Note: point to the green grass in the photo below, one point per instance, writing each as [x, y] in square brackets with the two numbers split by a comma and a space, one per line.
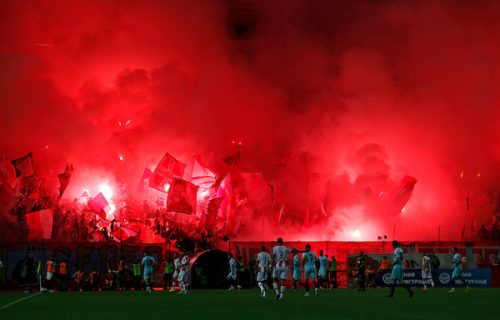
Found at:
[481, 304]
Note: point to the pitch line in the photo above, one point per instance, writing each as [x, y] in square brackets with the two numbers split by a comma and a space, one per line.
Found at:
[18, 300]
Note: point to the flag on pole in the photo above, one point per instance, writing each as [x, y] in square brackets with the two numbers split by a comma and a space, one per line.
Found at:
[99, 205]
[201, 176]
[24, 165]
[145, 179]
[168, 168]
[39, 268]
[8, 184]
[182, 196]
[124, 233]
[401, 195]
[212, 210]
[32, 200]
[40, 224]
[64, 179]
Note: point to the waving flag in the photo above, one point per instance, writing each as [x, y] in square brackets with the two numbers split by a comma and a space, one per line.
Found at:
[9, 185]
[401, 195]
[24, 166]
[64, 179]
[212, 210]
[182, 196]
[40, 224]
[168, 168]
[7, 173]
[145, 180]
[126, 232]
[201, 176]
[99, 205]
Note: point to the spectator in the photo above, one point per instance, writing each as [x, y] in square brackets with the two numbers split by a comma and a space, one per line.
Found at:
[109, 280]
[494, 261]
[78, 278]
[121, 274]
[242, 272]
[370, 277]
[333, 273]
[361, 264]
[495, 232]
[384, 266]
[136, 269]
[168, 274]
[252, 271]
[62, 276]
[480, 263]
[51, 269]
[94, 280]
[482, 234]
[435, 263]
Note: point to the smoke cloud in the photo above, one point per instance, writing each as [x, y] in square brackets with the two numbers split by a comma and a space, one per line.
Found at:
[333, 101]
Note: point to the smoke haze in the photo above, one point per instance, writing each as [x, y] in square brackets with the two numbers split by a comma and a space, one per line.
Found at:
[333, 101]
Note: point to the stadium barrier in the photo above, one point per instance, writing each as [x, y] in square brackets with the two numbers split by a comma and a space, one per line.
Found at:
[21, 260]
[347, 252]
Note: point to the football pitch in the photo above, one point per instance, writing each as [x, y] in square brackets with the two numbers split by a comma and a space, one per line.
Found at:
[436, 304]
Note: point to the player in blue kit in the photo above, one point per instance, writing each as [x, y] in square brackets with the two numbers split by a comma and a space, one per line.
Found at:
[309, 269]
[457, 271]
[296, 269]
[397, 270]
[148, 263]
[233, 273]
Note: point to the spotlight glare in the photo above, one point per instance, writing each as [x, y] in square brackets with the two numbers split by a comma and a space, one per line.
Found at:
[106, 190]
[356, 234]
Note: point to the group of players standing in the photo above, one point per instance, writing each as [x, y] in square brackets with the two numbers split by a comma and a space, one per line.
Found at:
[179, 276]
[279, 265]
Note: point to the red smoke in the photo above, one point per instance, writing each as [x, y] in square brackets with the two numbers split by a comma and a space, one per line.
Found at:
[334, 102]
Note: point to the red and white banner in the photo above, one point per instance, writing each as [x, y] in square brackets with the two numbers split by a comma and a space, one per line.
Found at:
[201, 176]
[182, 196]
[168, 168]
[40, 224]
[99, 205]
[126, 232]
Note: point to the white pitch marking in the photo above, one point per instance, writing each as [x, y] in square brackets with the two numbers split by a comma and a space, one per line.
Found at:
[18, 300]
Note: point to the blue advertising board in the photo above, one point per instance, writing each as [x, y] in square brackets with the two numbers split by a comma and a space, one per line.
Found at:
[474, 278]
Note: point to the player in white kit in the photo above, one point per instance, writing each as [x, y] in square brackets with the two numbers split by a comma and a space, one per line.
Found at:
[280, 255]
[322, 273]
[427, 271]
[263, 264]
[175, 276]
[183, 274]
